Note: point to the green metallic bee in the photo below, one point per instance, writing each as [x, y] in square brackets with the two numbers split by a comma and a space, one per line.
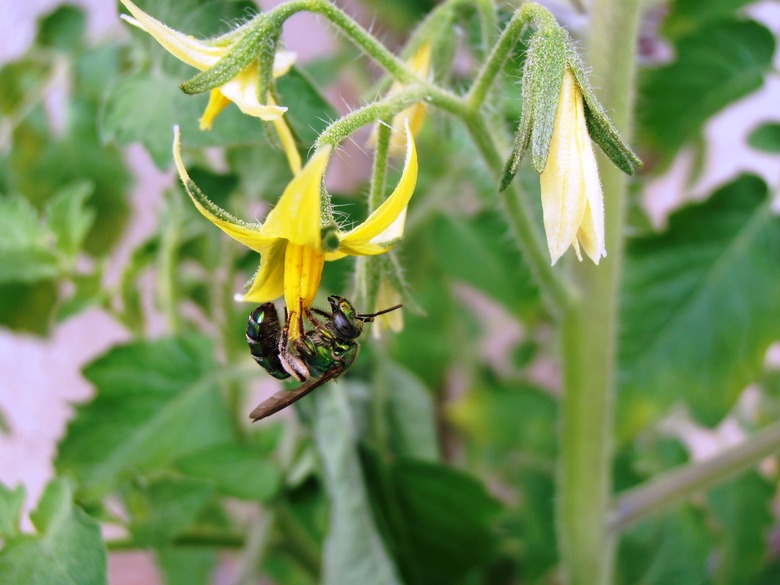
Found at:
[321, 353]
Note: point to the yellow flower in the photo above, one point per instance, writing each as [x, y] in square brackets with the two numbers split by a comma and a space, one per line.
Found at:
[290, 240]
[420, 65]
[572, 201]
[387, 296]
[242, 90]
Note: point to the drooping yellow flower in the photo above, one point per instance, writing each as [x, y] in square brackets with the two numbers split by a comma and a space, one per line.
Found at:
[387, 296]
[572, 200]
[290, 240]
[420, 65]
[242, 90]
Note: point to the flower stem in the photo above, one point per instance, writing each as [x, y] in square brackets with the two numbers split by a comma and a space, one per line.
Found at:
[379, 171]
[380, 110]
[676, 485]
[588, 343]
[529, 12]
[363, 39]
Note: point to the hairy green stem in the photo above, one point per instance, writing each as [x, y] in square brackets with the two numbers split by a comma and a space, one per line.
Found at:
[488, 23]
[363, 39]
[588, 340]
[530, 12]
[678, 484]
[379, 171]
[383, 110]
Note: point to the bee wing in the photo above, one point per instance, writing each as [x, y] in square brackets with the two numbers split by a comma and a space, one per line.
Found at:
[285, 398]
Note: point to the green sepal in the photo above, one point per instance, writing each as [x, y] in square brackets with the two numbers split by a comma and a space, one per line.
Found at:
[234, 62]
[600, 127]
[548, 67]
[265, 63]
[542, 82]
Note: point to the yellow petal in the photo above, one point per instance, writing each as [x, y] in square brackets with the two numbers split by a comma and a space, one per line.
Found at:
[192, 51]
[288, 142]
[562, 182]
[420, 64]
[217, 103]
[296, 216]
[331, 256]
[243, 91]
[386, 223]
[387, 296]
[416, 116]
[248, 234]
[591, 232]
[268, 283]
[283, 60]
[302, 275]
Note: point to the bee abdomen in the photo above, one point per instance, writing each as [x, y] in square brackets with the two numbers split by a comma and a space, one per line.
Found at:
[263, 332]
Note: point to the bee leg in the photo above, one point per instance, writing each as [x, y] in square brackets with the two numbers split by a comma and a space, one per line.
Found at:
[321, 328]
[311, 311]
[292, 363]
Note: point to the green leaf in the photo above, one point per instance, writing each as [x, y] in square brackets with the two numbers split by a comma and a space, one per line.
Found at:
[62, 29]
[475, 252]
[743, 511]
[23, 83]
[766, 137]
[235, 470]
[437, 520]
[699, 306]
[672, 549]
[262, 170]
[25, 243]
[715, 66]
[28, 307]
[11, 502]
[354, 553]
[309, 112]
[44, 159]
[410, 412]
[533, 523]
[165, 506]
[688, 15]
[67, 550]
[427, 345]
[145, 106]
[87, 292]
[69, 219]
[154, 404]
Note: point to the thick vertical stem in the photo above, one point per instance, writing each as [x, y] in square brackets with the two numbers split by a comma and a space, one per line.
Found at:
[589, 327]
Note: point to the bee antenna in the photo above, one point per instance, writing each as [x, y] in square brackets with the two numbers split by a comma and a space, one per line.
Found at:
[370, 316]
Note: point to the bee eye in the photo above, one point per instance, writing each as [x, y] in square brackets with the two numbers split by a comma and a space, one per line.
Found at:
[344, 327]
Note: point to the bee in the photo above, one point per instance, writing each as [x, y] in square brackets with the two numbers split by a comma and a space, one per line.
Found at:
[323, 352]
